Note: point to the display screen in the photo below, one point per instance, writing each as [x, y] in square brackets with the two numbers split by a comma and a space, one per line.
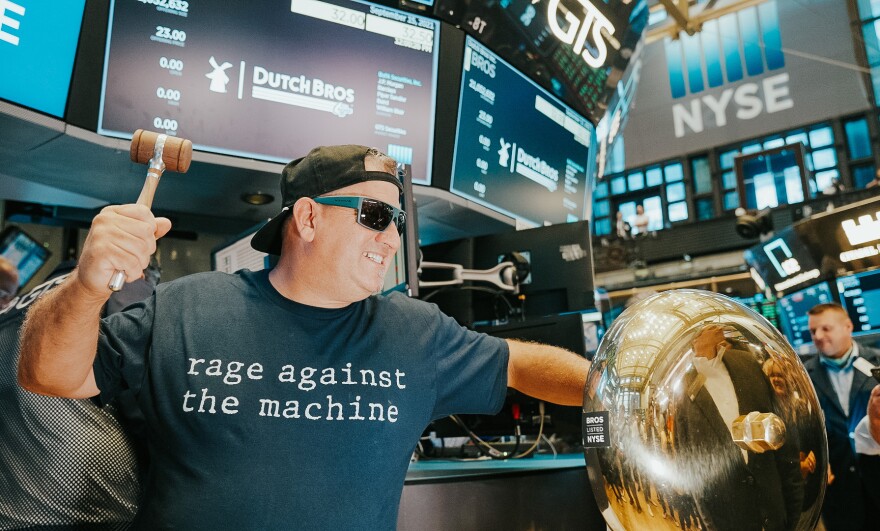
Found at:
[793, 310]
[238, 254]
[845, 239]
[763, 306]
[784, 263]
[576, 49]
[37, 46]
[24, 252]
[860, 296]
[273, 79]
[518, 149]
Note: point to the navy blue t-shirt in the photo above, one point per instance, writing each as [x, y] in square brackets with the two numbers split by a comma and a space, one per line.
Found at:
[264, 413]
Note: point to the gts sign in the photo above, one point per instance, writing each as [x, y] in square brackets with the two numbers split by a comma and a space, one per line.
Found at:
[576, 30]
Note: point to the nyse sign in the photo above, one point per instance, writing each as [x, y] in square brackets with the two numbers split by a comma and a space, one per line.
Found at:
[745, 102]
[576, 31]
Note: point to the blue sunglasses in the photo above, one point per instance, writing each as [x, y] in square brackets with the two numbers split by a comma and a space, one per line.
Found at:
[371, 213]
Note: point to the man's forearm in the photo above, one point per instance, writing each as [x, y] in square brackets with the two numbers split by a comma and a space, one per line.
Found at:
[548, 373]
[58, 342]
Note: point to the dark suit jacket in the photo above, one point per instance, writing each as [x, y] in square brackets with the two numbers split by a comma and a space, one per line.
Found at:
[767, 492]
[853, 499]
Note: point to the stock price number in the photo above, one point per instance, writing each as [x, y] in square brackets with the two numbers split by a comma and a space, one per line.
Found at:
[164, 32]
[349, 17]
[167, 94]
[165, 124]
[176, 5]
[485, 117]
[477, 24]
[171, 64]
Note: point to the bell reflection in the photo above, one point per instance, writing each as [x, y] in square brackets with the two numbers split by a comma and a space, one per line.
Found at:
[713, 421]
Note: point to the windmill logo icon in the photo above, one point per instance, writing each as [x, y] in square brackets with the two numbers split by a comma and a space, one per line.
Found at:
[218, 76]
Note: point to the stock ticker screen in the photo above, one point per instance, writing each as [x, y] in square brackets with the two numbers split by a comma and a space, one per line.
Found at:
[860, 296]
[518, 149]
[271, 79]
[793, 309]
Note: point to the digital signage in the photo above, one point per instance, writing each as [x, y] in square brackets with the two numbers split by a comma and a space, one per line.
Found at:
[793, 310]
[783, 262]
[846, 239]
[37, 46]
[860, 297]
[518, 149]
[272, 79]
[576, 49]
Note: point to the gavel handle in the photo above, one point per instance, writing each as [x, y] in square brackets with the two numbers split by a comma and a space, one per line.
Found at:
[146, 199]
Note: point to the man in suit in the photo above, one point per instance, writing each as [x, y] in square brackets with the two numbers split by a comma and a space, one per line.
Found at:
[843, 384]
[733, 488]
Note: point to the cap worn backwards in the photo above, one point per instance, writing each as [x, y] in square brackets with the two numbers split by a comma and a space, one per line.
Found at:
[323, 170]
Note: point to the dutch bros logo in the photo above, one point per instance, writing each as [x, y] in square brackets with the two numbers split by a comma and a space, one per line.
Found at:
[576, 30]
[738, 45]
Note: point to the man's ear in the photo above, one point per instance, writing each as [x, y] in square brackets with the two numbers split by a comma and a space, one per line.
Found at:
[302, 216]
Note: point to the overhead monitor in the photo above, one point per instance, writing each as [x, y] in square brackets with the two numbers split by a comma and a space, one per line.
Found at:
[272, 79]
[793, 308]
[846, 239]
[576, 49]
[37, 45]
[860, 297]
[784, 263]
[518, 149]
[24, 252]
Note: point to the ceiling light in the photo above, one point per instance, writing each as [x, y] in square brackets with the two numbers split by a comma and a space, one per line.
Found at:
[257, 198]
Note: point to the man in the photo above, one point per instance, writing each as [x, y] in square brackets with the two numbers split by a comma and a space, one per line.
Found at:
[289, 398]
[742, 489]
[68, 464]
[641, 221]
[843, 386]
[8, 282]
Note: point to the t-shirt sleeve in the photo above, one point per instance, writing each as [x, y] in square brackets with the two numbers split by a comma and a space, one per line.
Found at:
[123, 344]
[471, 369]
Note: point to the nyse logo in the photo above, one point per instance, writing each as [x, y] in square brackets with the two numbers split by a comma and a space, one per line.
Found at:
[866, 231]
[9, 22]
[728, 50]
[576, 31]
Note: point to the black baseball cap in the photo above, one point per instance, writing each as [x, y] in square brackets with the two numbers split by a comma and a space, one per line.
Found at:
[323, 170]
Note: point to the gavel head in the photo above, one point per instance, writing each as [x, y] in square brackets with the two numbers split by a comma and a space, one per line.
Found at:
[177, 153]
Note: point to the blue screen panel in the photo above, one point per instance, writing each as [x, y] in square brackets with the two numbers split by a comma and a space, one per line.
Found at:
[519, 150]
[37, 47]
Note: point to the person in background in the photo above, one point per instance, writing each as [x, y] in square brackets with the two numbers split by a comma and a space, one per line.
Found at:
[288, 397]
[65, 464]
[875, 181]
[836, 187]
[641, 221]
[622, 228]
[843, 386]
[8, 282]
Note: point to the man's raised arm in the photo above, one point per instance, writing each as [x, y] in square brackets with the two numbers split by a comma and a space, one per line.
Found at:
[547, 373]
[60, 335]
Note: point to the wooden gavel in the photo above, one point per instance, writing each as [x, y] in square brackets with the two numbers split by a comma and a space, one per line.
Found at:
[161, 152]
